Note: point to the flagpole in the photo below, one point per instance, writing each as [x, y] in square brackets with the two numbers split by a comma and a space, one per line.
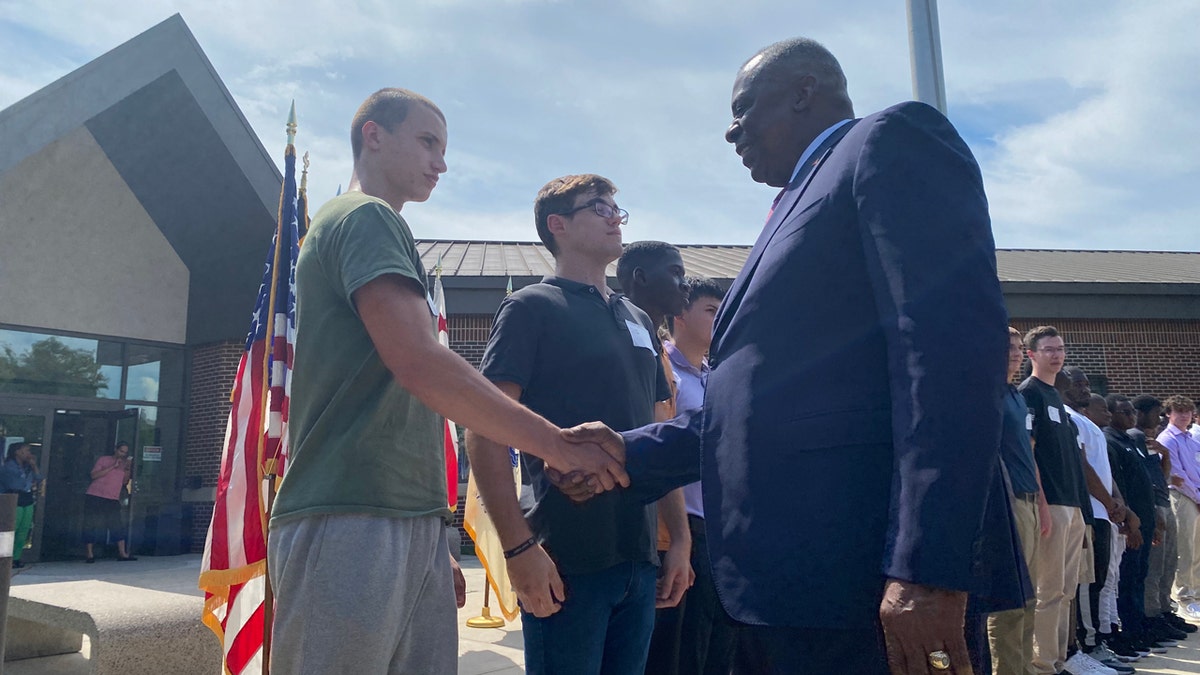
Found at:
[925, 53]
[269, 593]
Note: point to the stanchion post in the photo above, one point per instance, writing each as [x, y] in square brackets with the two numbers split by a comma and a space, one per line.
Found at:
[8, 520]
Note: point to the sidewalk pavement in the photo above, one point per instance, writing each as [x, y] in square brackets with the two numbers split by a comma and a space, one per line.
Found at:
[495, 651]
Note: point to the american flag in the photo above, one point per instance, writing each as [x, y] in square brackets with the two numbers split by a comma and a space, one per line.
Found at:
[450, 430]
[233, 570]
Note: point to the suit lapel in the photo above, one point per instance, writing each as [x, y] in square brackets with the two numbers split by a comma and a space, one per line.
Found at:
[782, 210]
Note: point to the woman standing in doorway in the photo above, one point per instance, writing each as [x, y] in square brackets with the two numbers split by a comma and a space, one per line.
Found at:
[102, 502]
[19, 476]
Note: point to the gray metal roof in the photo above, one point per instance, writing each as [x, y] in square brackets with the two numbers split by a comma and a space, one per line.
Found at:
[531, 259]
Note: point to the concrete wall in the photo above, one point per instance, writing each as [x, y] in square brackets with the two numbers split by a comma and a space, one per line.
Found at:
[79, 253]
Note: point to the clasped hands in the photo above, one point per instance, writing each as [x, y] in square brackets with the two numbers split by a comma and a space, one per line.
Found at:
[591, 461]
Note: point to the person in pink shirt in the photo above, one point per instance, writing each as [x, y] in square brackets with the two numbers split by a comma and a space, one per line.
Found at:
[102, 502]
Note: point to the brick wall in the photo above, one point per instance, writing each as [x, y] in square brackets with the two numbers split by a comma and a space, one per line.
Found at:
[213, 370]
[1132, 357]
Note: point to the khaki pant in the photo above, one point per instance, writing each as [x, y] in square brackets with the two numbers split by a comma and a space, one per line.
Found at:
[1161, 573]
[1056, 579]
[1010, 634]
[1187, 574]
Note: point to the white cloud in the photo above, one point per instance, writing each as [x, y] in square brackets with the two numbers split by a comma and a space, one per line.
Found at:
[1082, 115]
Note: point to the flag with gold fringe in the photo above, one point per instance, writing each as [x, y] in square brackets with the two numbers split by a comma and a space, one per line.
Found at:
[234, 567]
[482, 531]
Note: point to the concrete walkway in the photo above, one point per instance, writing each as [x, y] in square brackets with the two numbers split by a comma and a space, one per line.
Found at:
[496, 651]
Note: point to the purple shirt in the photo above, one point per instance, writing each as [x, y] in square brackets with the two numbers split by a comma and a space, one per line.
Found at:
[1185, 460]
[690, 381]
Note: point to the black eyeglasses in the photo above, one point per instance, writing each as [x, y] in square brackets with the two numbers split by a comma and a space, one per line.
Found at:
[602, 209]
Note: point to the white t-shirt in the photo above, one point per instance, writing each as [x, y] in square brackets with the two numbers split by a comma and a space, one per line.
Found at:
[1091, 438]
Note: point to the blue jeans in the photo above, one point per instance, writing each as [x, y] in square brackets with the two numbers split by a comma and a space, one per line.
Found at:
[603, 628]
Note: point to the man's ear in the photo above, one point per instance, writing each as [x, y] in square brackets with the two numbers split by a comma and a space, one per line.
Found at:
[639, 277]
[370, 134]
[556, 224]
[804, 92]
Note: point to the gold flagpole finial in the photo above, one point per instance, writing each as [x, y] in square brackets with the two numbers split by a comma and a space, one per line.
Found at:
[291, 124]
[304, 173]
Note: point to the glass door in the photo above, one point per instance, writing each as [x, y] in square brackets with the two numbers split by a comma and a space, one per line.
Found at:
[26, 424]
[78, 439]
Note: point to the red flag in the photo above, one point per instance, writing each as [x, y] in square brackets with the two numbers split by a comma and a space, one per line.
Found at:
[233, 570]
[450, 433]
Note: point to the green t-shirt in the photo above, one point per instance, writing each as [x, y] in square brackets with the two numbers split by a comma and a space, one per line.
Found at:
[360, 442]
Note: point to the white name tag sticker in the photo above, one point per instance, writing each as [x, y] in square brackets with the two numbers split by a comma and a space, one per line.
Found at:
[1053, 413]
[6, 544]
[639, 335]
[1028, 421]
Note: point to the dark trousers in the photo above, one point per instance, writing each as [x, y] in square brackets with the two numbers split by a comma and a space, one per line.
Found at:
[603, 627]
[800, 651]
[1131, 589]
[1088, 618]
[695, 637]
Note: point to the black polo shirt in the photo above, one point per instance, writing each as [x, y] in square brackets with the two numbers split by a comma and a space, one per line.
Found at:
[578, 359]
[1162, 495]
[1055, 448]
[1129, 468]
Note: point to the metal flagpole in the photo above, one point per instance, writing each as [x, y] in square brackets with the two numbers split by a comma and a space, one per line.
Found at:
[925, 53]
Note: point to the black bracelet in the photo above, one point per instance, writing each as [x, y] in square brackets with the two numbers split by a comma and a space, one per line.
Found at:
[520, 548]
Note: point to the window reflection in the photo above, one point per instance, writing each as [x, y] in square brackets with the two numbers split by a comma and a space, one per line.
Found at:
[34, 363]
[153, 374]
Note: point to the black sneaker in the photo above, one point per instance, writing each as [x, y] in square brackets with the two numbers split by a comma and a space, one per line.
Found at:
[1165, 631]
[1178, 623]
[1124, 651]
[17, 564]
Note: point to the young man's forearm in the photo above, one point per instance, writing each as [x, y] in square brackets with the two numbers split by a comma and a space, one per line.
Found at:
[491, 467]
[672, 510]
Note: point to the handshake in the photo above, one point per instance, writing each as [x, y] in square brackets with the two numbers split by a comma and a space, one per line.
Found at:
[589, 460]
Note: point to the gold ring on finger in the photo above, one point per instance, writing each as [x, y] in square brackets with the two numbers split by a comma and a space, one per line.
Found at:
[940, 660]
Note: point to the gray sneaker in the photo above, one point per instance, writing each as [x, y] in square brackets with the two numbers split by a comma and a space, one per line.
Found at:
[1109, 659]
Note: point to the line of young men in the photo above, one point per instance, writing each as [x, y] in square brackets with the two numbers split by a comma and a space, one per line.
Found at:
[1096, 524]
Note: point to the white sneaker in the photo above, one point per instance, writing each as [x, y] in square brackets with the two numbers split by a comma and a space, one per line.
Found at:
[1082, 664]
[1190, 611]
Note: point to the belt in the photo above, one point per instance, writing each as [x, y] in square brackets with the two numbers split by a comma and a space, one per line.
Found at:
[1030, 497]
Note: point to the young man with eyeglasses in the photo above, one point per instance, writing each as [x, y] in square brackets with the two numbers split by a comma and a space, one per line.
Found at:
[1060, 466]
[572, 349]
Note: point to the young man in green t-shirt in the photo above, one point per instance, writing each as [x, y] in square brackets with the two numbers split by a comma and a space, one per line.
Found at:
[357, 552]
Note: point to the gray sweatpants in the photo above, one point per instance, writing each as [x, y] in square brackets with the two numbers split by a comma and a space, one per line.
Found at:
[362, 594]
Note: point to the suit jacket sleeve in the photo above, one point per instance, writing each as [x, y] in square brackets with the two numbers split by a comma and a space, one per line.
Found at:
[931, 259]
[661, 457]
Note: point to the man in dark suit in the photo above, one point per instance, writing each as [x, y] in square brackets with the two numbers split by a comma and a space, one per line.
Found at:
[849, 439]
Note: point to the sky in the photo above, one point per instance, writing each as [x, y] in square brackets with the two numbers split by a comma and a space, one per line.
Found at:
[1082, 113]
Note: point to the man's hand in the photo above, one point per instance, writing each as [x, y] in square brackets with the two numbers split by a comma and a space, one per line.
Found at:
[591, 461]
[1134, 539]
[1044, 517]
[920, 619]
[534, 577]
[460, 584]
[1117, 513]
[677, 575]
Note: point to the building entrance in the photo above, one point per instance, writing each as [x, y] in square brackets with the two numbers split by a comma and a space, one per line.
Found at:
[78, 438]
[67, 444]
